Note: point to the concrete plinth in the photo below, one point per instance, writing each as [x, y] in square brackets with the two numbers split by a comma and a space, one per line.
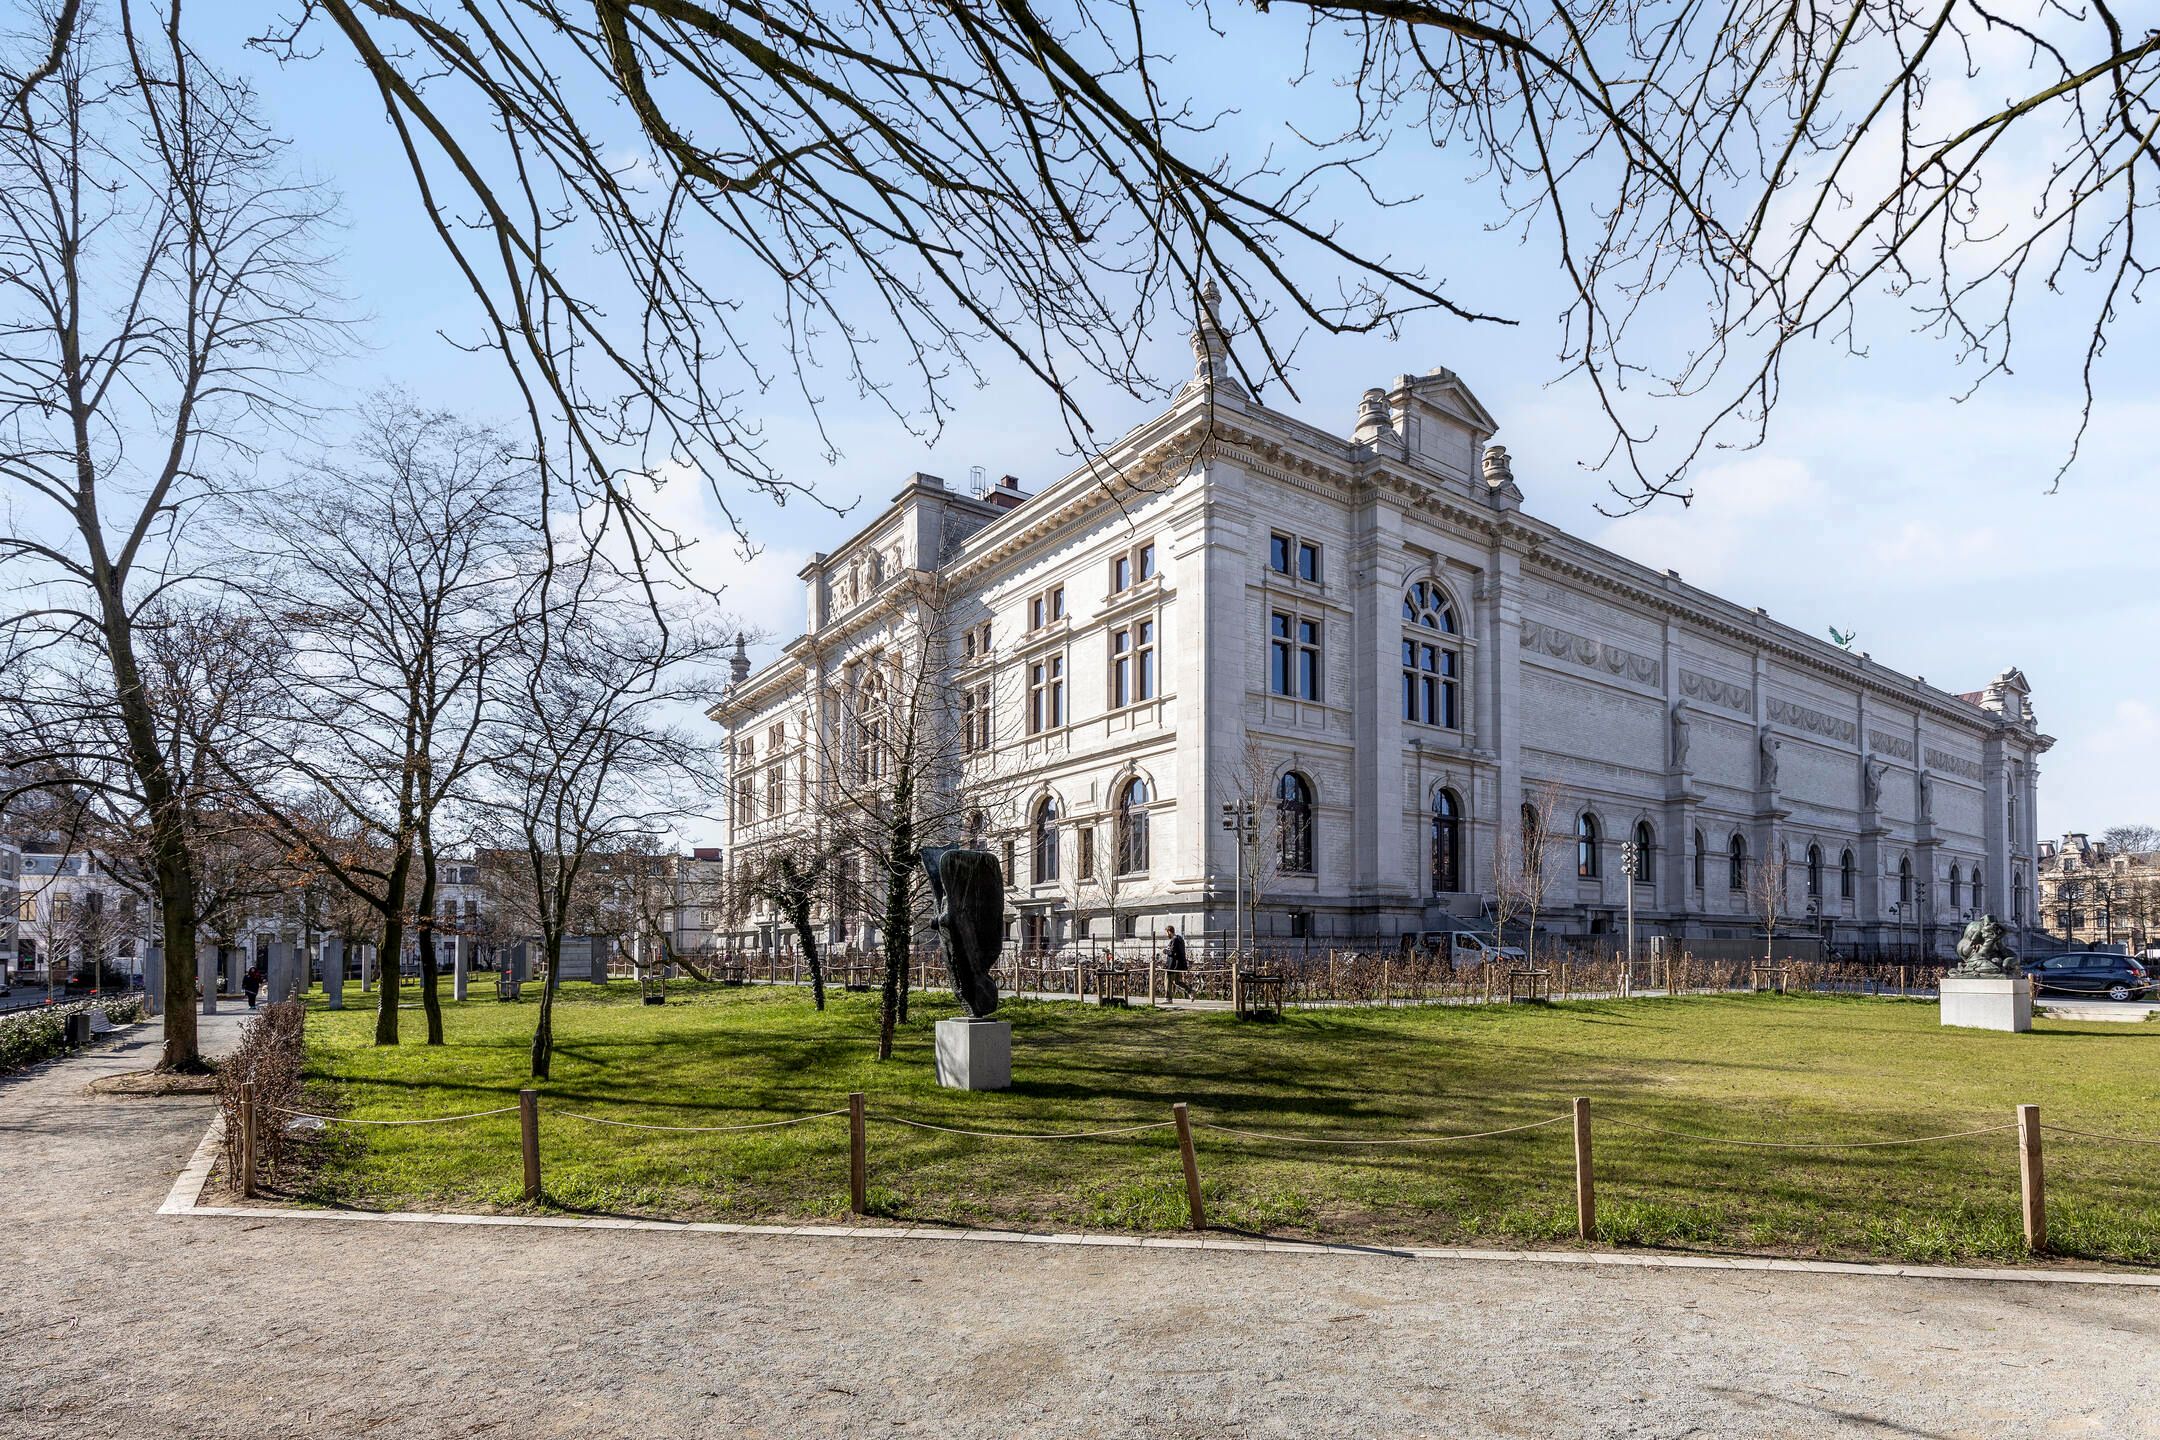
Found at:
[974, 1054]
[1987, 1002]
[206, 977]
[458, 967]
[284, 971]
[333, 972]
[154, 981]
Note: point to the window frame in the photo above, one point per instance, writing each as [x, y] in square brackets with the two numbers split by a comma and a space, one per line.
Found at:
[1295, 850]
[1589, 859]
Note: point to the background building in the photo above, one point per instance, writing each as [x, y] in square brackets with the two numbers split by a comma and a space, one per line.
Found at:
[1366, 639]
[2092, 894]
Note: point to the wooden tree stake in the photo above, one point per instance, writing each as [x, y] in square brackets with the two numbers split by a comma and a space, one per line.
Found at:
[1192, 1166]
[247, 1139]
[2031, 1179]
[858, 1162]
[529, 1138]
[1585, 1191]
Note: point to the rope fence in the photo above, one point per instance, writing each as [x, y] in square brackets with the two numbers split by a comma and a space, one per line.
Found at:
[2026, 1124]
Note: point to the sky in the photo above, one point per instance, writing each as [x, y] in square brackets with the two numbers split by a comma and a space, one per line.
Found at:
[1879, 504]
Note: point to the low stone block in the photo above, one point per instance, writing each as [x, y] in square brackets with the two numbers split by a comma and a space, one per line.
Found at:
[974, 1054]
[1987, 1002]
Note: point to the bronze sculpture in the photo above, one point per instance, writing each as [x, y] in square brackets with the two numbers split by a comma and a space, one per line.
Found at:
[968, 889]
[1984, 952]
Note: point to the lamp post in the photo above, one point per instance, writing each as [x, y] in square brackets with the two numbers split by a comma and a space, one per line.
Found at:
[2104, 896]
[1630, 867]
[1239, 819]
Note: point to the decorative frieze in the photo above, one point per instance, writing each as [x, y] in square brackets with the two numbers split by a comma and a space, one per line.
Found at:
[1591, 654]
[1815, 722]
[1883, 743]
[1737, 698]
[1951, 764]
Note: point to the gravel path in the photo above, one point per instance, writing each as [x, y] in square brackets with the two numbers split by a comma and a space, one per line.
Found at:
[116, 1322]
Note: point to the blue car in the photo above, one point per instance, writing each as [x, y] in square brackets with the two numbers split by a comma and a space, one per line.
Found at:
[2091, 973]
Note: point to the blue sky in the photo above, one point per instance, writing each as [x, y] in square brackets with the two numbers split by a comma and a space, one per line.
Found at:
[1879, 503]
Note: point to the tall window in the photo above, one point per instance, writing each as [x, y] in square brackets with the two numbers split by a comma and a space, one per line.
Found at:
[1979, 889]
[870, 722]
[1446, 843]
[975, 719]
[1294, 823]
[1848, 876]
[1294, 655]
[1645, 854]
[1904, 880]
[1814, 871]
[1132, 664]
[1146, 560]
[1701, 859]
[1736, 879]
[1046, 694]
[1046, 841]
[1432, 667]
[1586, 847]
[1084, 851]
[1132, 828]
[775, 786]
[1957, 888]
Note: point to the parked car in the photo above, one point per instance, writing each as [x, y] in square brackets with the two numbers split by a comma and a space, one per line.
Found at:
[2091, 973]
[1467, 947]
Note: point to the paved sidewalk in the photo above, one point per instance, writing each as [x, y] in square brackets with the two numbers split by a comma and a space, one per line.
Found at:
[116, 1322]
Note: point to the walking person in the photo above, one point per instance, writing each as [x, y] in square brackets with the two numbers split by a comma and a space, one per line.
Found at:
[1174, 961]
[252, 983]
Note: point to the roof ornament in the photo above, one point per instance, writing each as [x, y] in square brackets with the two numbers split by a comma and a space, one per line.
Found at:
[1211, 347]
[739, 666]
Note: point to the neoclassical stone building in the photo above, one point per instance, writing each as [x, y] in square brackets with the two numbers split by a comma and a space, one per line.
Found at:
[1367, 635]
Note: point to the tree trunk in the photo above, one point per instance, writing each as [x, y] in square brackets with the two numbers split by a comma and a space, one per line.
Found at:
[430, 999]
[806, 937]
[543, 1045]
[899, 919]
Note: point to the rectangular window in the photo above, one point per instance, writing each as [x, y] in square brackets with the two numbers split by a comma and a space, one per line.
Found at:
[1147, 561]
[775, 788]
[1294, 656]
[1057, 603]
[1144, 660]
[1121, 574]
[967, 723]
[1084, 851]
[1309, 659]
[1035, 613]
[1430, 684]
[1279, 548]
[1308, 561]
[1280, 652]
[1046, 694]
[1121, 660]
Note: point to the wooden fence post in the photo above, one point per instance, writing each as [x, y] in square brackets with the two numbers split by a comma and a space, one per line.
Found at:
[1192, 1166]
[1563, 979]
[1585, 1191]
[2031, 1180]
[1384, 986]
[1151, 982]
[858, 1160]
[247, 1139]
[529, 1138]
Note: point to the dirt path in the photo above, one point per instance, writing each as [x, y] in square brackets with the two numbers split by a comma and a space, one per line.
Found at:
[117, 1322]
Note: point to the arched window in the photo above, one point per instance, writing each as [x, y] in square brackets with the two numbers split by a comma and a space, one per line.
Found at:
[1848, 876]
[1702, 860]
[1957, 888]
[1736, 856]
[1904, 880]
[870, 718]
[1446, 843]
[1586, 846]
[1645, 853]
[1046, 841]
[1979, 889]
[1814, 871]
[1294, 823]
[1132, 828]
[1431, 665]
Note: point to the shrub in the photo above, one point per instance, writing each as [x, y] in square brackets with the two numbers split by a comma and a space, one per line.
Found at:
[28, 1036]
[268, 1057]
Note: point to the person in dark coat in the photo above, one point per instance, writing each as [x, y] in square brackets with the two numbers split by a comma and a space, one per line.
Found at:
[252, 983]
[1174, 960]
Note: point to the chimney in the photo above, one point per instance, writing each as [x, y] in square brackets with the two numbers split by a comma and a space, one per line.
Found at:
[705, 852]
[1006, 494]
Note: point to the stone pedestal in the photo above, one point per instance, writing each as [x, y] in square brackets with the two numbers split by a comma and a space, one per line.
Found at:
[459, 956]
[153, 976]
[206, 977]
[1987, 1002]
[333, 972]
[974, 1054]
[284, 971]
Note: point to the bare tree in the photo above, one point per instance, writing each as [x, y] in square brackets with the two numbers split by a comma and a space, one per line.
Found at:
[586, 762]
[1538, 839]
[2136, 839]
[159, 289]
[396, 582]
[791, 874]
[1767, 884]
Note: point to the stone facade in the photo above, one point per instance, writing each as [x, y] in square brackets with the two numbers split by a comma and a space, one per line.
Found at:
[1367, 635]
[2092, 895]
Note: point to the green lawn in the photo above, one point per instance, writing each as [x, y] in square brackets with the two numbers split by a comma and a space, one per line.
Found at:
[1742, 1067]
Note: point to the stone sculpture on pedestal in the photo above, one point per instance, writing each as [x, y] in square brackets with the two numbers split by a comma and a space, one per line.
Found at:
[968, 889]
[1985, 991]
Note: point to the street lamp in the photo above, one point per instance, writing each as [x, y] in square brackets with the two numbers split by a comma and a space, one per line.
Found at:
[1239, 818]
[1630, 867]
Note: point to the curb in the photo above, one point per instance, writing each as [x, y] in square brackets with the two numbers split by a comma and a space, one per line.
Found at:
[186, 1195]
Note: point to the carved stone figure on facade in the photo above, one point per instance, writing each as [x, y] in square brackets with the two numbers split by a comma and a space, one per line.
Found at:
[1768, 746]
[1984, 952]
[1680, 729]
[968, 890]
[1871, 777]
[1925, 788]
